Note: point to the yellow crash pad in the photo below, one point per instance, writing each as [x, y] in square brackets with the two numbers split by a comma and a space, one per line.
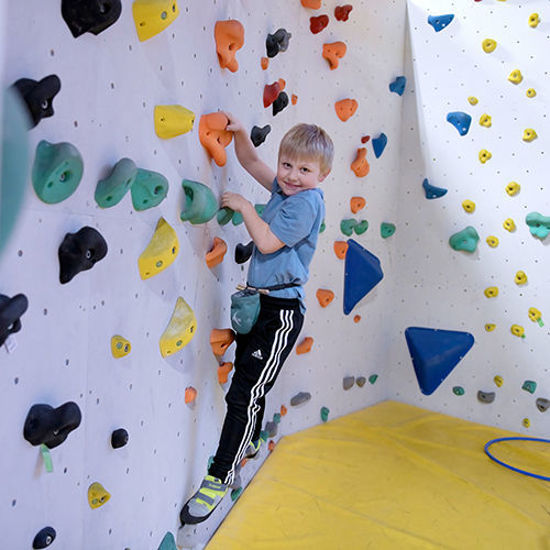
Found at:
[393, 476]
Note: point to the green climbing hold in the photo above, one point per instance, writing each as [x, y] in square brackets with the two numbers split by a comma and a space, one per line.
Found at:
[238, 217]
[324, 414]
[149, 189]
[264, 436]
[373, 378]
[168, 542]
[323, 226]
[466, 240]
[199, 205]
[530, 386]
[47, 458]
[361, 227]
[346, 226]
[111, 190]
[539, 225]
[387, 229]
[458, 390]
[57, 171]
[277, 418]
[236, 493]
[224, 215]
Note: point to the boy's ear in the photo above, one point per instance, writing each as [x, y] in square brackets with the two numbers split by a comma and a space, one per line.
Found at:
[323, 176]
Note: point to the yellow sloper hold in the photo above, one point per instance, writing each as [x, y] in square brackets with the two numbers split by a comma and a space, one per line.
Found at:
[534, 314]
[485, 120]
[484, 156]
[529, 134]
[509, 224]
[492, 241]
[97, 495]
[160, 252]
[513, 188]
[469, 206]
[472, 100]
[120, 346]
[498, 380]
[515, 76]
[534, 20]
[153, 16]
[489, 327]
[517, 330]
[489, 45]
[173, 120]
[520, 278]
[180, 329]
[491, 292]
[531, 92]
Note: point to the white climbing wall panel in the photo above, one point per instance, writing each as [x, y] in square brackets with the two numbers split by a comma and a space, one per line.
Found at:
[110, 85]
[439, 287]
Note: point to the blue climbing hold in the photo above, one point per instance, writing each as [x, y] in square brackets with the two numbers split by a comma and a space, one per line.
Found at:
[461, 121]
[435, 353]
[379, 144]
[439, 22]
[362, 274]
[398, 85]
[432, 192]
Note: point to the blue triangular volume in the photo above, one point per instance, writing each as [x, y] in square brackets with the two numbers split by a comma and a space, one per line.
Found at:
[435, 353]
[363, 273]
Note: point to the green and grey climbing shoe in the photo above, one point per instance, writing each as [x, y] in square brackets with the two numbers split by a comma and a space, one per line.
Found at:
[204, 501]
[253, 449]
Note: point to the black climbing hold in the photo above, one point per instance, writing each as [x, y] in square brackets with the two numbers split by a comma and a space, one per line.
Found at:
[277, 42]
[49, 426]
[280, 103]
[11, 310]
[79, 252]
[90, 15]
[258, 135]
[38, 96]
[119, 438]
[44, 537]
[243, 252]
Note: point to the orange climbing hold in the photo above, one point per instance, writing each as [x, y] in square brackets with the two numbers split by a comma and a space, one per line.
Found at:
[294, 99]
[324, 296]
[311, 4]
[345, 108]
[282, 83]
[340, 249]
[333, 52]
[214, 137]
[223, 372]
[190, 394]
[360, 166]
[216, 253]
[357, 203]
[264, 63]
[271, 445]
[221, 339]
[305, 345]
[284, 410]
[317, 24]
[229, 37]
[357, 318]
[271, 92]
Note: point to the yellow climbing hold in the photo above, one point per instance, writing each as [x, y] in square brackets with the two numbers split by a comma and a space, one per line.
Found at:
[489, 327]
[509, 224]
[484, 156]
[498, 380]
[531, 92]
[485, 120]
[517, 330]
[472, 100]
[534, 20]
[120, 346]
[534, 314]
[180, 329]
[520, 278]
[489, 45]
[160, 252]
[153, 16]
[173, 120]
[515, 76]
[492, 241]
[529, 134]
[491, 292]
[469, 206]
[97, 495]
[513, 188]
[526, 422]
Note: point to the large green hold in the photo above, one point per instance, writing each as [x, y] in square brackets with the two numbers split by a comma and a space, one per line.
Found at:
[149, 189]
[57, 171]
[387, 229]
[539, 225]
[200, 204]
[466, 240]
[111, 190]
[224, 215]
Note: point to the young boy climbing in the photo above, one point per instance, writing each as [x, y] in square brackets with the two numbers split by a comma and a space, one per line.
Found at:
[285, 237]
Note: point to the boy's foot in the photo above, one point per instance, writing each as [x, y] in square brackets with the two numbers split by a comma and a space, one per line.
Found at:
[253, 449]
[204, 501]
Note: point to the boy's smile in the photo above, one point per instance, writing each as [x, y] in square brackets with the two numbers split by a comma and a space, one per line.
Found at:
[296, 174]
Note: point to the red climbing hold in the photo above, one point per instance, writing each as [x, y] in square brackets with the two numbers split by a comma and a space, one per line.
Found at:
[271, 92]
[317, 24]
[364, 139]
[342, 12]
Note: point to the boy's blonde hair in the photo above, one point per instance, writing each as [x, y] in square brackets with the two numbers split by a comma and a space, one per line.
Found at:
[308, 141]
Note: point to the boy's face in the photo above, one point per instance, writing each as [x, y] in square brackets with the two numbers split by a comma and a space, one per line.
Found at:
[298, 174]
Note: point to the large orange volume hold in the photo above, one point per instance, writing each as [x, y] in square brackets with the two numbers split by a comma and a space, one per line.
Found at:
[333, 52]
[345, 108]
[214, 137]
[229, 37]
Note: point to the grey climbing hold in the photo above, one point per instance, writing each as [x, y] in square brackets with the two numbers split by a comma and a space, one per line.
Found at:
[348, 382]
[299, 398]
[271, 429]
[543, 404]
[486, 397]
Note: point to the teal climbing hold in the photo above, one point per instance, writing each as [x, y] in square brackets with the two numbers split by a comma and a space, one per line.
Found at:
[346, 226]
[461, 121]
[435, 353]
[277, 418]
[530, 386]
[373, 378]
[431, 191]
[14, 161]
[111, 190]
[324, 414]
[458, 390]
[323, 226]
[398, 85]
[236, 493]
[361, 227]
[379, 144]
[539, 225]
[224, 215]
[466, 240]
[439, 22]
[264, 435]
[199, 203]
[57, 171]
[387, 229]
[362, 274]
[168, 542]
[238, 217]
[149, 189]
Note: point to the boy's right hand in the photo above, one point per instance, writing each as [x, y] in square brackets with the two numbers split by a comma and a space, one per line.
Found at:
[235, 125]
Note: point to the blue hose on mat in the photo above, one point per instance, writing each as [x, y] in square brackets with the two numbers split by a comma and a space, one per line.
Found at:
[489, 443]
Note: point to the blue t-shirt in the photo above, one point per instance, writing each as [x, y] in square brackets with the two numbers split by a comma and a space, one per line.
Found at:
[295, 220]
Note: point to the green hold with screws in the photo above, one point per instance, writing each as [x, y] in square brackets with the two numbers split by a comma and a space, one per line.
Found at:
[111, 190]
[148, 190]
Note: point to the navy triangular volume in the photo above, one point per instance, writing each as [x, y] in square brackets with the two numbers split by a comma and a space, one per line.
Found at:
[363, 273]
[435, 353]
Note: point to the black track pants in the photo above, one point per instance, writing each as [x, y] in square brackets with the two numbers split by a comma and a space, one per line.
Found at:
[259, 356]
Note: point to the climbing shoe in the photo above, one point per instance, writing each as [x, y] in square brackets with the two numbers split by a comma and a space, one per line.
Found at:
[199, 507]
[253, 449]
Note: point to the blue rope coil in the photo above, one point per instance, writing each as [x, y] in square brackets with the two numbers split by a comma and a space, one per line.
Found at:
[524, 472]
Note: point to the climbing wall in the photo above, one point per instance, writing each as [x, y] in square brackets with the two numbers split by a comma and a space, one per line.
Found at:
[443, 288]
[110, 85]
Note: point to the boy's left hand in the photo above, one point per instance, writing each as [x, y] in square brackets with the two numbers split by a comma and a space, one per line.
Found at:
[234, 201]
